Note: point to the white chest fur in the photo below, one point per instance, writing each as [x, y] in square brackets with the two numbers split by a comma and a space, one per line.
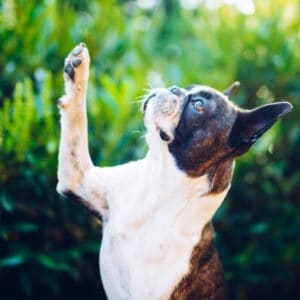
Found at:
[156, 216]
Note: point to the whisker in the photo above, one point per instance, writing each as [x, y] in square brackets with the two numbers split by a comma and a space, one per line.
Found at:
[149, 85]
[137, 101]
[142, 98]
[141, 133]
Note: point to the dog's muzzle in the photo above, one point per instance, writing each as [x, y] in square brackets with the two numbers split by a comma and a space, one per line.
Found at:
[169, 102]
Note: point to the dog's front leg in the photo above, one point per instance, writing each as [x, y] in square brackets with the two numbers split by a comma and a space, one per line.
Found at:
[78, 179]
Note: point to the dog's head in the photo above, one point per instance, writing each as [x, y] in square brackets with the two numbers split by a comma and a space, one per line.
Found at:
[202, 127]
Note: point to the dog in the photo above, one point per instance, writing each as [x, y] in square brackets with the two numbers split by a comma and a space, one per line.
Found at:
[158, 240]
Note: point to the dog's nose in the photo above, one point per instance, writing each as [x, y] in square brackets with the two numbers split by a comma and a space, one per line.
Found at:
[176, 90]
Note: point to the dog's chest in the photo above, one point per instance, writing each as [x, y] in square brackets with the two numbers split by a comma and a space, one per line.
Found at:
[145, 259]
[148, 240]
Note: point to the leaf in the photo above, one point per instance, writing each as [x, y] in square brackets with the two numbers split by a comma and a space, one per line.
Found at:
[51, 263]
[12, 261]
[259, 228]
[46, 261]
[25, 227]
[6, 203]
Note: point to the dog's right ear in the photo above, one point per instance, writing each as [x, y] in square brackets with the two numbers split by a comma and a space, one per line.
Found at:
[232, 89]
[251, 124]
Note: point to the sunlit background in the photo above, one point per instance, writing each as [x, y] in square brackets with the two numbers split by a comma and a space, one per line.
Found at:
[48, 246]
[245, 6]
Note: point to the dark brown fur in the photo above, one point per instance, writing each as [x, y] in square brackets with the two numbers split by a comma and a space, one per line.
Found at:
[205, 280]
[220, 176]
[78, 200]
[201, 142]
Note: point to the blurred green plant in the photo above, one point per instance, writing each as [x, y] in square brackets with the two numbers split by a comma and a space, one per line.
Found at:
[47, 245]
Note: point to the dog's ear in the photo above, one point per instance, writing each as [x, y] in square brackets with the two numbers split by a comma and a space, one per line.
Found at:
[251, 124]
[232, 89]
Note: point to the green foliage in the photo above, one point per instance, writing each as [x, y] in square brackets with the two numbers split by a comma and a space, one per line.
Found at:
[49, 246]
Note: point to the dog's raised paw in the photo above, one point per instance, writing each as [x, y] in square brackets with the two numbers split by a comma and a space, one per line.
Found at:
[76, 73]
[78, 56]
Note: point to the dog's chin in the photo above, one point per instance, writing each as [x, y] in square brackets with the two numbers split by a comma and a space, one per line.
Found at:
[162, 114]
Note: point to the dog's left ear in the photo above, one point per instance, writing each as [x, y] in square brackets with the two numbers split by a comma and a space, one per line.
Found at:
[251, 124]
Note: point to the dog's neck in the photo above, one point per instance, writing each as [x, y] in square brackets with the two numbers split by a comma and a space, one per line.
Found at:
[169, 179]
[175, 190]
[161, 162]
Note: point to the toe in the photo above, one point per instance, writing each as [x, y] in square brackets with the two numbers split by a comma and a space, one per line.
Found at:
[76, 62]
[77, 50]
[69, 70]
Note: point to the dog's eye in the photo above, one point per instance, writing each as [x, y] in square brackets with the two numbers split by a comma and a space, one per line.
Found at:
[205, 94]
[198, 105]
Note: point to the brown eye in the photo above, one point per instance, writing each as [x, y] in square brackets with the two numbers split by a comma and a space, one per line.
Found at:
[198, 105]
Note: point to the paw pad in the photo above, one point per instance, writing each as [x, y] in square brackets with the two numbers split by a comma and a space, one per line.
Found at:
[77, 50]
[73, 61]
[76, 62]
[69, 70]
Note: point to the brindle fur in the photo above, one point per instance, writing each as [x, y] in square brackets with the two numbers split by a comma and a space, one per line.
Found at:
[205, 280]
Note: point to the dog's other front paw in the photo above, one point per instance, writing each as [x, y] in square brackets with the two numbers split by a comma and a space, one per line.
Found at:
[76, 73]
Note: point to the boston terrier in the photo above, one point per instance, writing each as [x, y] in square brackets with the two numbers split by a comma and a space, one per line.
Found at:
[158, 240]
